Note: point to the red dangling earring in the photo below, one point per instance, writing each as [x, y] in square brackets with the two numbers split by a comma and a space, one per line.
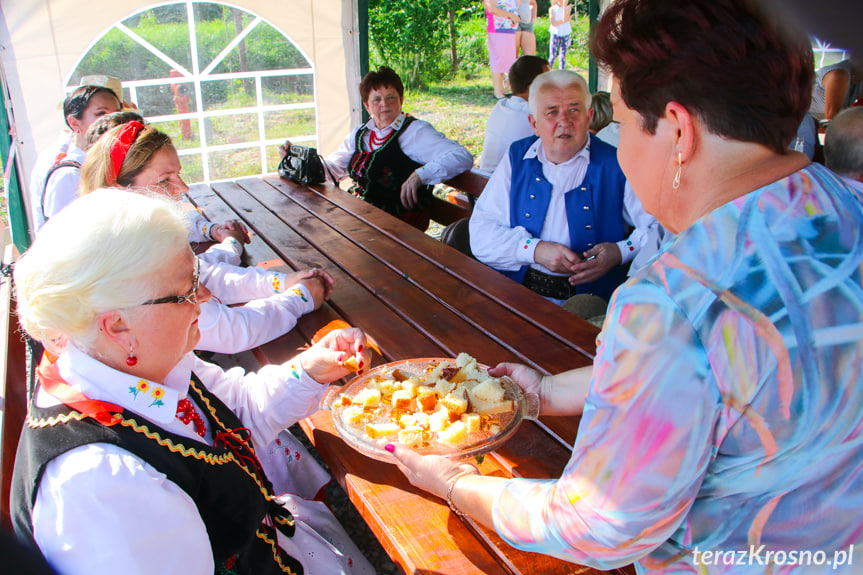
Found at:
[131, 360]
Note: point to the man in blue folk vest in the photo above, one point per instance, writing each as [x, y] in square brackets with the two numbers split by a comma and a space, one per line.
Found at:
[557, 214]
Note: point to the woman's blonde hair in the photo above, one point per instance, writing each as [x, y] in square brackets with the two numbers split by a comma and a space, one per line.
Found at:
[98, 167]
[104, 251]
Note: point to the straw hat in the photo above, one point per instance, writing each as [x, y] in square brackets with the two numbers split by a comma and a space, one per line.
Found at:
[113, 84]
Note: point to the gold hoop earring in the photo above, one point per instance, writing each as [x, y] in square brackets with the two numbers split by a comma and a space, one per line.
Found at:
[676, 183]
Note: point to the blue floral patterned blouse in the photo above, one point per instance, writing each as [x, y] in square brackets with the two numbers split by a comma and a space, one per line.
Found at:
[725, 414]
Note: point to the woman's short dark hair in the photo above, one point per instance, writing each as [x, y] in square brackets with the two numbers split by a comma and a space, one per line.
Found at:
[383, 77]
[76, 102]
[523, 71]
[746, 77]
[109, 121]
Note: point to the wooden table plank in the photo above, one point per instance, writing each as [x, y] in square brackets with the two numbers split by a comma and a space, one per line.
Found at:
[380, 281]
[520, 300]
[382, 482]
[241, 204]
[350, 301]
[450, 303]
[527, 340]
[418, 298]
[216, 210]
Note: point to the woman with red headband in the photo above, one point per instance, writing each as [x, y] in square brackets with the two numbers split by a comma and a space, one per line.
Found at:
[141, 158]
[230, 236]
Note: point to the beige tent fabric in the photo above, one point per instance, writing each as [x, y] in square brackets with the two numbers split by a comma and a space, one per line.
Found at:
[43, 40]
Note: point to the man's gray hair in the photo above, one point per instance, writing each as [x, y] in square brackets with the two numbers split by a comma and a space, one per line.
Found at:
[843, 144]
[557, 79]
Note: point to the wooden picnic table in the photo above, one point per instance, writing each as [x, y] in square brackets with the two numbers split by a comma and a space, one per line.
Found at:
[417, 298]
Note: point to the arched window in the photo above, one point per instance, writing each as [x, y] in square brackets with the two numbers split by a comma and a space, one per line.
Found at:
[223, 83]
[826, 53]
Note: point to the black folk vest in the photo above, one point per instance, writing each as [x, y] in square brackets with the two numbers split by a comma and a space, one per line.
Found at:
[227, 484]
[379, 174]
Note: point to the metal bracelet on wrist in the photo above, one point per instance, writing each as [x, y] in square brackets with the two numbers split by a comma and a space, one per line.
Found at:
[451, 486]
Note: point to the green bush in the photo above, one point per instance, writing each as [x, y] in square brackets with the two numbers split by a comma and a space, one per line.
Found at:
[409, 36]
[473, 47]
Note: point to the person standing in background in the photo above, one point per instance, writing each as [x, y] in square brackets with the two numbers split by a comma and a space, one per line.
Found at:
[837, 87]
[503, 20]
[560, 28]
[525, 38]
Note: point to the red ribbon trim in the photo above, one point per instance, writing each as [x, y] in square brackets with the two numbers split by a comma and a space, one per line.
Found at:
[51, 381]
[120, 147]
[237, 441]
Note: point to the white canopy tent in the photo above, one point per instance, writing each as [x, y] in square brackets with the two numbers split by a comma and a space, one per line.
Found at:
[44, 40]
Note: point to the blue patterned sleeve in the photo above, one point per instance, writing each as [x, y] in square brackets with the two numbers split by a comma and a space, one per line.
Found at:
[644, 443]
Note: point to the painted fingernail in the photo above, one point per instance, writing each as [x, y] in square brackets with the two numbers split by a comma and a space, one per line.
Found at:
[341, 357]
[390, 447]
[361, 348]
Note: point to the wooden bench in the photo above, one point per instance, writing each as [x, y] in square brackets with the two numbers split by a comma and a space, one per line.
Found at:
[13, 389]
[459, 204]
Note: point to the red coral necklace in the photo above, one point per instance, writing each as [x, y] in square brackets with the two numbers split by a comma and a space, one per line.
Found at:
[375, 141]
[186, 413]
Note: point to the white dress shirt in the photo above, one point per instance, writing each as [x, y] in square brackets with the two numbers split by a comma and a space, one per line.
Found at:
[441, 158]
[232, 284]
[62, 188]
[507, 123]
[271, 308]
[100, 509]
[230, 330]
[496, 243]
[610, 134]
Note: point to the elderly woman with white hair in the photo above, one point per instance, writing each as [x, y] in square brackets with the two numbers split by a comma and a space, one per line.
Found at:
[137, 456]
[136, 157]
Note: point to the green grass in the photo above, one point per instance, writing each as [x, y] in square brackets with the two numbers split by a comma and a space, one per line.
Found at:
[458, 109]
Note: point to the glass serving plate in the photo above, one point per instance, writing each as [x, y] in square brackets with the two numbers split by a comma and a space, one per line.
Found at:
[525, 406]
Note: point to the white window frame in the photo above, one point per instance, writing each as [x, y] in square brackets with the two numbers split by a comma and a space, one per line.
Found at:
[198, 76]
[821, 49]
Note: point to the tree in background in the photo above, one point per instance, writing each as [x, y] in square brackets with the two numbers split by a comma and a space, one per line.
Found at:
[427, 40]
[411, 35]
